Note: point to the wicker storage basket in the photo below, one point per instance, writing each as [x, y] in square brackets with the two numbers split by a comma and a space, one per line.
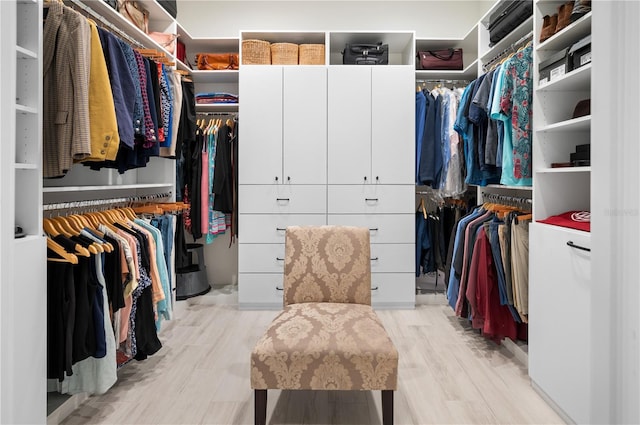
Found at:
[256, 52]
[312, 54]
[284, 54]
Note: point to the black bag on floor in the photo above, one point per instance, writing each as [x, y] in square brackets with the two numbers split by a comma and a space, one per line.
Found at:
[366, 54]
[507, 17]
[170, 6]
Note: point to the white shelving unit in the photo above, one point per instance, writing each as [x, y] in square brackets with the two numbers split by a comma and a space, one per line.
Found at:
[558, 270]
[22, 264]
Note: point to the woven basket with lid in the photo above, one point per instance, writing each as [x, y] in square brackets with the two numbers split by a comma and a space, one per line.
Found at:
[256, 52]
[284, 54]
[311, 54]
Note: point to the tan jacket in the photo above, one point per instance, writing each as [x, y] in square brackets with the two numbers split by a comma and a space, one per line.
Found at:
[66, 47]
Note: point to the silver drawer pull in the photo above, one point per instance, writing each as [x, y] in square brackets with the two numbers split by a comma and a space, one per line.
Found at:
[279, 288]
[282, 199]
[375, 288]
[371, 199]
[572, 245]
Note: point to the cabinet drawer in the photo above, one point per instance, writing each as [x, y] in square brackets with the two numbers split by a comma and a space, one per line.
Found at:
[559, 311]
[270, 228]
[282, 199]
[393, 290]
[394, 257]
[260, 258]
[260, 291]
[371, 198]
[384, 228]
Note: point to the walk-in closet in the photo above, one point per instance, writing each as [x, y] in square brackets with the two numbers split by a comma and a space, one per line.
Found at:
[380, 212]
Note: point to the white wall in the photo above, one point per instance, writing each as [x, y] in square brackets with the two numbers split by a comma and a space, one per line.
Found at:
[438, 19]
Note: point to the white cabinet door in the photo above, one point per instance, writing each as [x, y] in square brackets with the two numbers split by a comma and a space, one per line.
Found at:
[349, 118]
[282, 199]
[261, 129]
[305, 125]
[393, 290]
[393, 124]
[271, 228]
[260, 291]
[383, 228]
[559, 317]
[261, 258]
[371, 199]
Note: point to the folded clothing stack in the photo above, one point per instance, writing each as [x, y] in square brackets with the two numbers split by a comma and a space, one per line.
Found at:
[216, 97]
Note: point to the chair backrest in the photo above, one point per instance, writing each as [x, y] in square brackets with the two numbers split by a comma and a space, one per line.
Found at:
[327, 264]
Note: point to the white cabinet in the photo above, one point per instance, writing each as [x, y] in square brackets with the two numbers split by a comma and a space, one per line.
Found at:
[284, 137]
[559, 317]
[368, 110]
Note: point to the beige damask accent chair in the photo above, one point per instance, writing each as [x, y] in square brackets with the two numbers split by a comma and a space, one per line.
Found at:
[327, 337]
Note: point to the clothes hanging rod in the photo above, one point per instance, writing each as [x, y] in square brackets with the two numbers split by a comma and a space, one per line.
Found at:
[512, 48]
[98, 203]
[509, 198]
[218, 114]
[105, 22]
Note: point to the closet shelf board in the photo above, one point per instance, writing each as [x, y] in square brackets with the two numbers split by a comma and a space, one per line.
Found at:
[23, 53]
[26, 109]
[506, 42]
[182, 66]
[22, 166]
[223, 107]
[222, 76]
[210, 44]
[469, 73]
[564, 170]
[569, 35]
[575, 124]
[28, 1]
[567, 230]
[502, 186]
[104, 187]
[468, 43]
[577, 80]
[29, 239]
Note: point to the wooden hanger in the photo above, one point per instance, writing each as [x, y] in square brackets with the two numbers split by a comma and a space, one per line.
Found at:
[58, 249]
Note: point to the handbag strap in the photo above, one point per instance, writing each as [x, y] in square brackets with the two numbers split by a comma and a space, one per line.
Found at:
[437, 55]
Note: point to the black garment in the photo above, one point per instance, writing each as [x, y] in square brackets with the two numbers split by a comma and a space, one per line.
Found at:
[187, 128]
[155, 83]
[61, 312]
[195, 185]
[113, 276]
[147, 341]
[427, 166]
[234, 166]
[84, 338]
[223, 174]
[98, 314]
[452, 240]
[180, 244]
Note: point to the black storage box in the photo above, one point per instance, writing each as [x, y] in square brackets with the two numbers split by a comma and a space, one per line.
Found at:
[583, 148]
[508, 16]
[580, 53]
[554, 67]
[170, 6]
[580, 156]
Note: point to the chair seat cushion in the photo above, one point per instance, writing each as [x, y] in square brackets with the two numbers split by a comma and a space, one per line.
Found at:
[325, 346]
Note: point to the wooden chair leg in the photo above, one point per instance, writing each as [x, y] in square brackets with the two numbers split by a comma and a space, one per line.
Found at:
[260, 415]
[387, 407]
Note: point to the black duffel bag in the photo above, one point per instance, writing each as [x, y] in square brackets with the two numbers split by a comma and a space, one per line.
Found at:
[170, 6]
[508, 16]
[366, 54]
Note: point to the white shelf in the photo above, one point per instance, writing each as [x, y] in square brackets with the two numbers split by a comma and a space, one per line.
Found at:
[576, 124]
[568, 230]
[21, 166]
[469, 73]
[502, 186]
[564, 170]
[222, 76]
[28, 239]
[522, 30]
[181, 65]
[576, 80]
[23, 53]
[26, 109]
[28, 1]
[569, 35]
[222, 107]
[59, 189]
[468, 43]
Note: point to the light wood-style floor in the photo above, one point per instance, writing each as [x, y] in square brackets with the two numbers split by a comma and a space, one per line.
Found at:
[448, 374]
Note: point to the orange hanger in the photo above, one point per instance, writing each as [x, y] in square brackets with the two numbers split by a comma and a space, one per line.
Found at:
[58, 249]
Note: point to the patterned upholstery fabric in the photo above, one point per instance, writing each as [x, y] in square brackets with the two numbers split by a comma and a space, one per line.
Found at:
[325, 346]
[327, 264]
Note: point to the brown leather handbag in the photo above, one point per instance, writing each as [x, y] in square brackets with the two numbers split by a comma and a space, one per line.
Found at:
[135, 13]
[217, 61]
[445, 59]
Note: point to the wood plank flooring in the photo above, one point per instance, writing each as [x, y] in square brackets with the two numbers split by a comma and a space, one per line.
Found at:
[448, 374]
